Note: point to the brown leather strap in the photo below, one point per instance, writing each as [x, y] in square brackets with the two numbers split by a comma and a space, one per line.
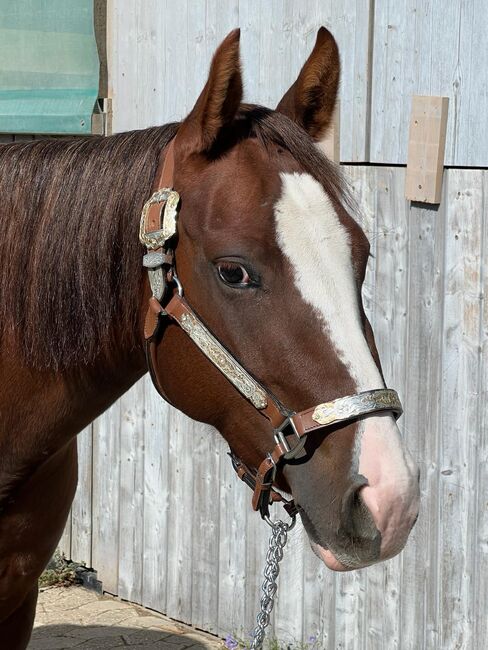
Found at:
[162, 179]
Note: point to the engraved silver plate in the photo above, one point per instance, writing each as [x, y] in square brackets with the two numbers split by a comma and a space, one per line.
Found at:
[156, 282]
[157, 238]
[152, 260]
[345, 408]
[227, 365]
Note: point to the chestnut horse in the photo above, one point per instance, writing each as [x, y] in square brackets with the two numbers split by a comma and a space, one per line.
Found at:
[271, 259]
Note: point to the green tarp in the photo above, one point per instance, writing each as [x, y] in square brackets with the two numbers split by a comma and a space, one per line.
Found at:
[49, 67]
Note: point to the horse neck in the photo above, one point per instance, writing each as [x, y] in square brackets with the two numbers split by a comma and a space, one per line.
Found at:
[41, 410]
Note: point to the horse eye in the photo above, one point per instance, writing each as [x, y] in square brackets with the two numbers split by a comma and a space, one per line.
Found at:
[234, 275]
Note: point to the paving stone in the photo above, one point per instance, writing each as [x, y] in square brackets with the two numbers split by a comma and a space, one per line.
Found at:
[54, 643]
[103, 644]
[145, 636]
[75, 617]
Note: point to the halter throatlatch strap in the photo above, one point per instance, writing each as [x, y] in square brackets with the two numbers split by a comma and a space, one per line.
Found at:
[158, 227]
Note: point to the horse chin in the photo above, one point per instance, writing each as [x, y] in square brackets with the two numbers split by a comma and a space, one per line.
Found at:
[329, 559]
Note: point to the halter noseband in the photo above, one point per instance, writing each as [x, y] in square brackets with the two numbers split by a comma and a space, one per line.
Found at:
[158, 227]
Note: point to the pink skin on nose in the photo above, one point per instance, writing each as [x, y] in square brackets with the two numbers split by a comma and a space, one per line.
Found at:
[392, 494]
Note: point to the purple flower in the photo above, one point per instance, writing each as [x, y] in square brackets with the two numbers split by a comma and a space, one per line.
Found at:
[230, 642]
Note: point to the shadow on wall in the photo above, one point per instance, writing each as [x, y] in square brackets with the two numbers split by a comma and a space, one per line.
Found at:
[98, 637]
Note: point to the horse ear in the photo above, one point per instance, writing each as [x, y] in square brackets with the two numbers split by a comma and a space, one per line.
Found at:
[219, 100]
[311, 99]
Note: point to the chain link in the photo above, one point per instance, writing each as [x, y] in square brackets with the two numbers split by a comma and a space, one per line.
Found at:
[277, 541]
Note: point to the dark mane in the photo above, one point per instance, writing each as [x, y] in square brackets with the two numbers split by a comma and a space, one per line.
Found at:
[67, 206]
[69, 216]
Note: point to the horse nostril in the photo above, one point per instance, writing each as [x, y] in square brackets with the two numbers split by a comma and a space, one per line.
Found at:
[357, 520]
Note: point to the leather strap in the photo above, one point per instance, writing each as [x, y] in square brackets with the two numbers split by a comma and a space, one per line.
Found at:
[163, 179]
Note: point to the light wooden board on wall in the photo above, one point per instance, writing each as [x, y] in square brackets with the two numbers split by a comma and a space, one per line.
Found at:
[426, 144]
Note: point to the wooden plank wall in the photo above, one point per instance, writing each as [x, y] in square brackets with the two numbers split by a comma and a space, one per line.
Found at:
[434, 47]
[160, 52]
[172, 526]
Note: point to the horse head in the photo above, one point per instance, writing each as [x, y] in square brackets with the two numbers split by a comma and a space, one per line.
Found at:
[272, 261]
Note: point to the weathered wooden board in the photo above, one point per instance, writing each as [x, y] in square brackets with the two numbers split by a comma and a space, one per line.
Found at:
[160, 50]
[202, 547]
[81, 511]
[426, 144]
[131, 491]
[156, 424]
[430, 48]
[106, 497]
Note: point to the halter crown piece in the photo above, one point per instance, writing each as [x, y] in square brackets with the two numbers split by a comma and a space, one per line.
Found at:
[157, 230]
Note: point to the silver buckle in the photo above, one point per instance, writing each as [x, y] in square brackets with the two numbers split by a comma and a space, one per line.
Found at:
[157, 238]
[281, 439]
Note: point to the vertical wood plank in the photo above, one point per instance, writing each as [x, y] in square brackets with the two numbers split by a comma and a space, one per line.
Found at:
[319, 597]
[479, 549]
[180, 530]
[156, 499]
[459, 424]
[106, 476]
[131, 492]
[64, 544]
[422, 422]
[234, 508]
[81, 510]
[205, 520]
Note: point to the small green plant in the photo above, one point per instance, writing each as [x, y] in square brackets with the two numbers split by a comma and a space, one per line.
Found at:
[60, 572]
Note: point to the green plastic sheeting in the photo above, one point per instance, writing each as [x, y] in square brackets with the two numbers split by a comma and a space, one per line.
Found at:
[49, 67]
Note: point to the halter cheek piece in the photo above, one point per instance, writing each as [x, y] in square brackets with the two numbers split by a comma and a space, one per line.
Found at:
[158, 227]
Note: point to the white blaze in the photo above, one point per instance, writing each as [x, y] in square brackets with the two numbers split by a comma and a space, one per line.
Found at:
[318, 247]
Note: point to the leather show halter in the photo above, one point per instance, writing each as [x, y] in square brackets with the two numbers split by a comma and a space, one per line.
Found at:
[157, 230]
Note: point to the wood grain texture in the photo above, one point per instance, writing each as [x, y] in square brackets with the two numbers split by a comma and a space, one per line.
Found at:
[479, 551]
[426, 144]
[430, 48]
[156, 498]
[460, 375]
[131, 494]
[181, 531]
[159, 52]
[81, 510]
[106, 497]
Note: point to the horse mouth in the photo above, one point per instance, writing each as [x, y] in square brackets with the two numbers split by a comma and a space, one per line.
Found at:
[349, 552]
[330, 560]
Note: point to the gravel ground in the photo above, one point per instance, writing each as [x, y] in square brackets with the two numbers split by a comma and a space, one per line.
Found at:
[75, 617]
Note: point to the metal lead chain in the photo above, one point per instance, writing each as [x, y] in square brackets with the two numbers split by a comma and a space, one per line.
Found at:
[277, 541]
